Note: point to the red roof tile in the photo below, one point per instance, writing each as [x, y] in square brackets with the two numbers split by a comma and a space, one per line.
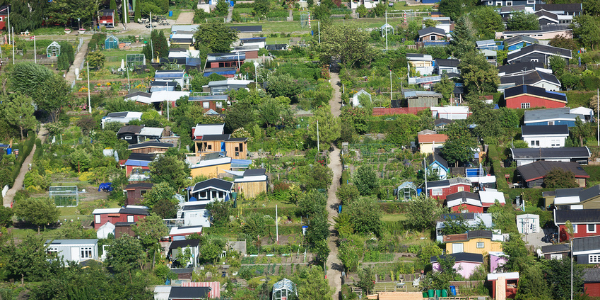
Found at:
[431, 138]
[382, 111]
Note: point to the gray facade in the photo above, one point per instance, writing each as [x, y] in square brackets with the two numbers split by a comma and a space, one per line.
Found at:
[74, 250]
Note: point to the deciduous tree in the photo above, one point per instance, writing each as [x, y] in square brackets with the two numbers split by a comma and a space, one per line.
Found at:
[315, 285]
[169, 169]
[423, 212]
[216, 36]
[18, 112]
[460, 144]
[478, 75]
[37, 211]
[559, 178]
[488, 22]
[150, 230]
[587, 29]
[329, 126]
[365, 180]
[347, 43]
[366, 279]
[365, 216]
[125, 253]
[522, 21]
[445, 87]
[96, 59]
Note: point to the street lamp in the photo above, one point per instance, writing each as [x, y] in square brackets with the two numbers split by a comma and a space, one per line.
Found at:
[78, 23]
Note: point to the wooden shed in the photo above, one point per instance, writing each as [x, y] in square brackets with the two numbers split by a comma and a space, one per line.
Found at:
[150, 147]
[124, 228]
[252, 183]
[135, 192]
[223, 143]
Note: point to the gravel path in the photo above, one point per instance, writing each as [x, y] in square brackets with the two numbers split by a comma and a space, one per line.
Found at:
[334, 264]
[79, 58]
[185, 18]
[8, 199]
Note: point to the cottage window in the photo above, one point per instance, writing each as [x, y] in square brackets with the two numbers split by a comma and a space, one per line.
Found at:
[52, 251]
[490, 2]
[97, 219]
[130, 219]
[128, 137]
[86, 252]
[142, 193]
[530, 1]
[574, 228]
[537, 143]
[214, 194]
[591, 228]
[219, 104]
[205, 104]
[556, 256]
[498, 3]
[437, 192]
[555, 143]
[220, 195]
[203, 194]
[1, 18]
[209, 147]
[508, 3]
[461, 188]
[480, 245]
[237, 149]
[241, 147]
[534, 60]
[594, 259]
[525, 105]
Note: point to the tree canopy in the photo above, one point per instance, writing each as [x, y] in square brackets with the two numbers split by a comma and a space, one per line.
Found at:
[460, 143]
[216, 36]
[347, 43]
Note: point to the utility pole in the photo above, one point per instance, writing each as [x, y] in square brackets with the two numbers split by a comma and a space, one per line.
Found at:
[89, 96]
[318, 148]
[571, 241]
[34, 51]
[13, 46]
[128, 84]
[425, 175]
[8, 27]
[151, 46]
[391, 98]
[386, 31]
[598, 117]
[319, 26]
[276, 226]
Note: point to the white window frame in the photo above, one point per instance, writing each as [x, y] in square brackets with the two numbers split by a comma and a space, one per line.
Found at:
[509, 3]
[574, 228]
[556, 256]
[437, 192]
[498, 3]
[587, 228]
[128, 137]
[98, 219]
[130, 219]
[594, 258]
[532, 143]
[480, 243]
[461, 188]
[86, 252]
[219, 104]
[205, 104]
[490, 2]
[530, 1]
[525, 105]
[534, 60]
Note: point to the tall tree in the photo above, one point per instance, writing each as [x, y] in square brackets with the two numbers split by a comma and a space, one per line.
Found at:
[159, 191]
[366, 280]
[171, 170]
[463, 37]
[581, 131]
[587, 29]
[478, 75]
[125, 253]
[532, 283]
[37, 211]
[488, 22]
[30, 259]
[558, 274]
[347, 43]
[486, 119]
[460, 144]
[560, 179]
[113, 6]
[329, 126]
[150, 230]
[522, 21]
[365, 216]
[456, 8]
[315, 285]
[18, 112]
[272, 112]
[216, 36]
[591, 7]
[423, 212]
[445, 87]
[365, 180]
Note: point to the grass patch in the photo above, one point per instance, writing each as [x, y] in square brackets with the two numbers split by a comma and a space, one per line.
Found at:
[278, 40]
[243, 10]
[59, 30]
[401, 5]
[579, 98]
[394, 217]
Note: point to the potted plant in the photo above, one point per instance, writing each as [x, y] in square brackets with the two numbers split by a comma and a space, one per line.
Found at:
[81, 30]
[67, 30]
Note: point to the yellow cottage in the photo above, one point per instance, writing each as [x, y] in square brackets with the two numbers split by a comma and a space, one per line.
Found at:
[476, 241]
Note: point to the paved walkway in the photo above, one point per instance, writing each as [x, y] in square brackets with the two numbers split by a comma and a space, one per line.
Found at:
[334, 264]
[229, 14]
[185, 18]
[8, 199]
[79, 59]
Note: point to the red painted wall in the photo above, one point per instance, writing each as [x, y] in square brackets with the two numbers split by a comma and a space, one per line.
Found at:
[114, 218]
[592, 289]
[534, 102]
[581, 232]
[450, 190]
[469, 207]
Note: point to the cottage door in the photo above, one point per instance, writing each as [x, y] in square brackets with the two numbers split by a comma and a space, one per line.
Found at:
[75, 254]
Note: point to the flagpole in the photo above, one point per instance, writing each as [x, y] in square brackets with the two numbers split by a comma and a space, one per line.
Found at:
[34, 51]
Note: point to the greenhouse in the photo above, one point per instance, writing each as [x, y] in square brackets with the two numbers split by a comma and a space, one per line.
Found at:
[64, 196]
[53, 49]
[136, 60]
[283, 289]
[111, 42]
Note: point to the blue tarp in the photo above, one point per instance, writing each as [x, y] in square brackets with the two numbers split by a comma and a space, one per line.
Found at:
[232, 72]
[137, 163]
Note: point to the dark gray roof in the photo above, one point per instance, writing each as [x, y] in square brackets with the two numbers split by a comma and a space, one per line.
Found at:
[215, 182]
[591, 275]
[549, 114]
[567, 192]
[589, 243]
[463, 256]
[254, 39]
[184, 243]
[139, 185]
[209, 98]
[544, 129]
[447, 62]
[134, 211]
[589, 193]
[519, 39]
[567, 7]
[437, 157]
[151, 144]
[549, 50]
[431, 30]
[182, 270]
[487, 234]
[215, 137]
[142, 156]
[182, 40]
[194, 207]
[122, 114]
[254, 172]
[276, 47]
[546, 153]
[577, 216]
[439, 183]
[529, 78]
[178, 292]
[138, 94]
[130, 129]
[539, 169]
[519, 67]
[124, 224]
[448, 182]
[556, 248]
[240, 139]
[462, 195]
[257, 28]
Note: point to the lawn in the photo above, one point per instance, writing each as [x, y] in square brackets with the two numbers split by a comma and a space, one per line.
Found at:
[394, 217]
[401, 5]
[242, 10]
[278, 40]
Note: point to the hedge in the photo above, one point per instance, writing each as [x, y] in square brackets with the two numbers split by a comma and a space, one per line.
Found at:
[593, 171]
[497, 169]
[579, 98]
[24, 151]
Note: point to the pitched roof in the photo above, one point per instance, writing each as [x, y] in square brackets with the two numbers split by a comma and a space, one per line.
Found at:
[556, 248]
[546, 49]
[214, 137]
[184, 243]
[437, 157]
[586, 244]
[544, 129]
[589, 193]
[213, 183]
[559, 7]
[540, 169]
[561, 193]
[519, 39]
[442, 121]
[591, 275]
[254, 172]
[549, 153]
[462, 195]
[447, 62]
[552, 114]
[448, 182]
[431, 30]
[529, 78]
[130, 129]
[577, 216]
[432, 138]
[139, 185]
[519, 67]
[151, 144]
[179, 292]
[141, 156]
[487, 234]
[463, 256]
